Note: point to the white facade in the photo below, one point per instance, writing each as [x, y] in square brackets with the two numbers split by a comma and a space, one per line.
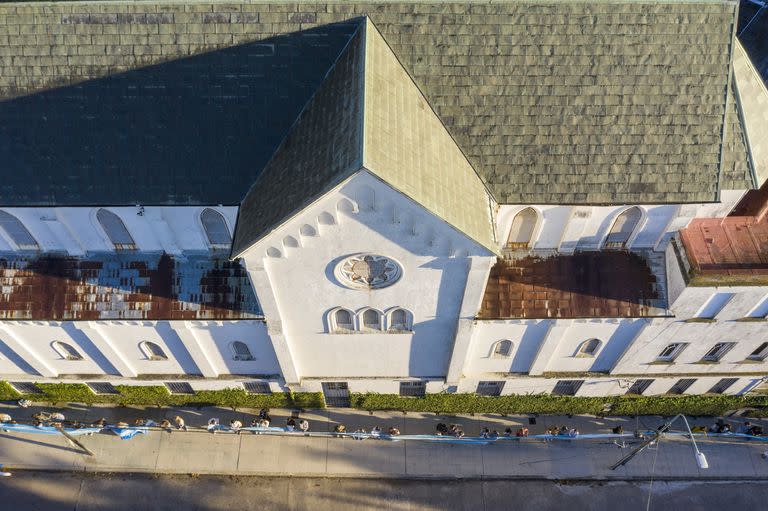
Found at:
[443, 276]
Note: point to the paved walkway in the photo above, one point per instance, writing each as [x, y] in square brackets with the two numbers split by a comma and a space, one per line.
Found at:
[198, 451]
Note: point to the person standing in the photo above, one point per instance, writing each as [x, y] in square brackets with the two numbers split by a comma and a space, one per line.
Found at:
[180, 424]
[304, 425]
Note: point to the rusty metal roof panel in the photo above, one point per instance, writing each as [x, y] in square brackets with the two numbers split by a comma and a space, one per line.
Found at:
[136, 286]
[582, 285]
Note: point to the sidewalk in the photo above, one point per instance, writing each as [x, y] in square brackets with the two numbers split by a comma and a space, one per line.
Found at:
[198, 451]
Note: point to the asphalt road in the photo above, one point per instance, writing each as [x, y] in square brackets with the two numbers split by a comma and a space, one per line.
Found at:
[55, 491]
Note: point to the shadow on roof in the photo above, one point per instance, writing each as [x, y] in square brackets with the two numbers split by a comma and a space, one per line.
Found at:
[195, 130]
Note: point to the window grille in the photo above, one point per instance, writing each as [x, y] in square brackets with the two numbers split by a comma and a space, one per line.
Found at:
[215, 228]
[17, 232]
[100, 387]
[567, 387]
[413, 388]
[116, 231]
[722, 385]
[760, 353]
[669, 353]
[24, 387]
[639, 387]
[257, 387]
[179, 387]
[717, 351]
[681, 386]
[490, 388]
[241, 351]
[502, 349]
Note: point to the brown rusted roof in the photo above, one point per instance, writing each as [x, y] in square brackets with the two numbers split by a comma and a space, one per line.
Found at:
[581, 285]
[124, 286]
[734, 247]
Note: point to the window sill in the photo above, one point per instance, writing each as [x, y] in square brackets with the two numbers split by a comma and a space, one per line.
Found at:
[700, 320]
[661, 363]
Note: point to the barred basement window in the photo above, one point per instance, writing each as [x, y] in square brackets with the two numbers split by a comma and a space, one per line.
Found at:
[722, 385]
[17, 232]
[567, 387]
[413, 388]
[490, 388]
[681, 386]
[241, 351]
[100, 387]
[639, 387]
[179, 387]
[215, 228]
[115, 229]
[24, 387]
[257, 387]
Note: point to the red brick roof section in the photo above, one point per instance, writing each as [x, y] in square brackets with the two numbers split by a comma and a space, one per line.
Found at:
[602, 284]
[125, 286]
[727, 246]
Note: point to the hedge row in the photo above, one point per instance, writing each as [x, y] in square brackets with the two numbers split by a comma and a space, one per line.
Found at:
[152, 395]
[558, 405]
[708, 405]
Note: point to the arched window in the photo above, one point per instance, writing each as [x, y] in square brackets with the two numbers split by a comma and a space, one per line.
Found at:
[623, 227]
[17, 232]
[241, 351]
[588, 348]
[523, 225]
[66, 351]
[371, 319]
[116, 230]
[152, 351]
[502, 349]
[399, 320]
[342, 320]
[215, 228]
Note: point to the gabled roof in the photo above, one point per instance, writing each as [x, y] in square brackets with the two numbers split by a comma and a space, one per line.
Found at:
[753, 101]
[367, 114]
[553, 102]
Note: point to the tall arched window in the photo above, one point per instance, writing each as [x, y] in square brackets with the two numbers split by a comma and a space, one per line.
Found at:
[116, 230]
[623, 227]
[241, 351]
[502, 349]
[399, 320]
[152, 351]
[66, 351]
[215, 228]
[371, 319]
[588, 348]
[17, 232]
[342, 320]
[523, 225]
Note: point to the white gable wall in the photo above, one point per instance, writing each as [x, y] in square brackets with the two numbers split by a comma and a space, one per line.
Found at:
[369, 217]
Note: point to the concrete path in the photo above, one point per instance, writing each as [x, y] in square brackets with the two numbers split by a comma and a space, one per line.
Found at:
[53, 491]
[200, 452]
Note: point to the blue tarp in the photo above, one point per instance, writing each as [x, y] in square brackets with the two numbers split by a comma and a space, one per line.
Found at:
[45, 430]
[127, 433]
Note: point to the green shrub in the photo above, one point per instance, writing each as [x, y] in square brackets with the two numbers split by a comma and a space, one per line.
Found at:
[560, 405]
[308, 400]
[8, 393]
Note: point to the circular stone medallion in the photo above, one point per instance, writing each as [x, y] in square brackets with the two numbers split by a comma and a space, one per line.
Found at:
[367, 271]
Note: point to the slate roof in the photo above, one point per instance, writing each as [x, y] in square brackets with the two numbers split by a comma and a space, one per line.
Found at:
[581, 285]
[553, 102]
[367, 114]
[125, 286]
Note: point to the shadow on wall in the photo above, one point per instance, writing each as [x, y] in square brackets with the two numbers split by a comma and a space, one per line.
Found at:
[617, 344]
[195, 130]
[529, 344]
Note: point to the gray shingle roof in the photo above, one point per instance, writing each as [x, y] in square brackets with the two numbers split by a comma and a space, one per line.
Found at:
[368, 114]
[553, 102]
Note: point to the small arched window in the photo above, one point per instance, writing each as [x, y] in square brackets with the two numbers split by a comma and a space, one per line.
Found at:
[371, 319]
[116, 231]
[399, 320]
[623, 227]
[17, 232]
[241, 351]
[215, 228]
[521, 232]
[342, 320]
[502, 349]
[588, 348]
[66, 351]
[152, 351]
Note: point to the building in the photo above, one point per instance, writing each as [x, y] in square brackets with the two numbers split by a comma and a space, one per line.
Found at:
[507, 197]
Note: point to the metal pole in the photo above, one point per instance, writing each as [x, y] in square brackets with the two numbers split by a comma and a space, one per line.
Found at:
[73, 440]
[655, 437]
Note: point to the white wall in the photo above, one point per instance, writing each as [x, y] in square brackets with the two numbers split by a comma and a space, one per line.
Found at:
[435, 262]
[111, 348]
[75, 230]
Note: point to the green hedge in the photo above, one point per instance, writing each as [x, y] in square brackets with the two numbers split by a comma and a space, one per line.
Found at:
[560, 405]
[155, 395]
